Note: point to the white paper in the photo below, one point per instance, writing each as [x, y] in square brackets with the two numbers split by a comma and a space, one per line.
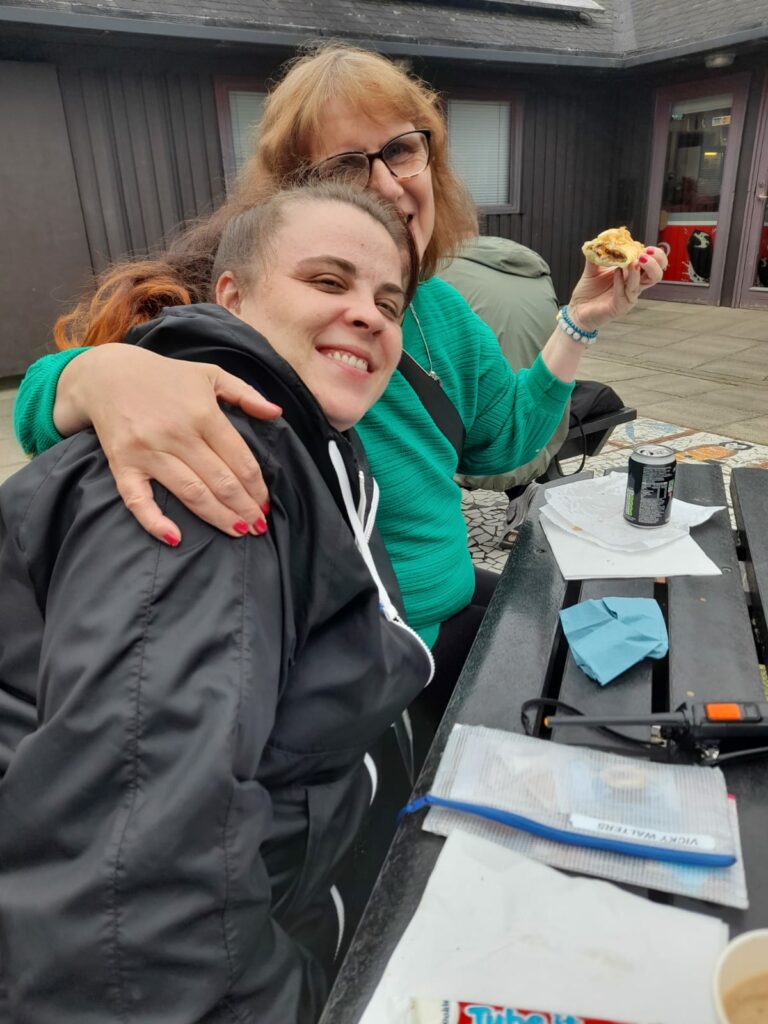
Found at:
[594, 510]
[581, 560]
[495, 927]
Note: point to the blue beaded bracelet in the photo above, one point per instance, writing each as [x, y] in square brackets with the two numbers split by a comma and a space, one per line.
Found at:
[565, 323]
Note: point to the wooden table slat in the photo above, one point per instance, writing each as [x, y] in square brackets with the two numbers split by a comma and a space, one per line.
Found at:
[749, 491]
[703, 608]
[630, 694]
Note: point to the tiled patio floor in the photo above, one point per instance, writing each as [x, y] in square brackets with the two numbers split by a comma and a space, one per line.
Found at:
[485, 510]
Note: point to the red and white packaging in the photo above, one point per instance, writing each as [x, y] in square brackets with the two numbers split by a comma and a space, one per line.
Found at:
[444, 1011]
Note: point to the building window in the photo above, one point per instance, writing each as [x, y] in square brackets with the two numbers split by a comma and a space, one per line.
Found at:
[485, 150]
[240, 108]
[245, 110]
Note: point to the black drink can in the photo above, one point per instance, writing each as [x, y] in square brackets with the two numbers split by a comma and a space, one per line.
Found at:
[650, 483]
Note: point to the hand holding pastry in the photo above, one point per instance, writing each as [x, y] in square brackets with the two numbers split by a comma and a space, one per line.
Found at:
[617, 271]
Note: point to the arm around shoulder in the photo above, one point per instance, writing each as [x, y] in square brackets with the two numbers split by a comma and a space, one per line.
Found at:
[33, 420]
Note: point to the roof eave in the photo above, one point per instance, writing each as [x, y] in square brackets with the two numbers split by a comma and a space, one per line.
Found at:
[400, 47]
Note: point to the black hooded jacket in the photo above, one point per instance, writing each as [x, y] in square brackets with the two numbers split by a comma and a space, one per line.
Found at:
[183, 731]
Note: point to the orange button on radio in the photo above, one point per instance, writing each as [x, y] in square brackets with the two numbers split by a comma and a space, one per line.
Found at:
[723, 712]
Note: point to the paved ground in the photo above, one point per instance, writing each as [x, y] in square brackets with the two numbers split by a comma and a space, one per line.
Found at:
[11, 456]
[700, 367]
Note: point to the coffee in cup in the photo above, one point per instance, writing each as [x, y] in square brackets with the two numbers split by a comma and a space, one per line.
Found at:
[741, 980]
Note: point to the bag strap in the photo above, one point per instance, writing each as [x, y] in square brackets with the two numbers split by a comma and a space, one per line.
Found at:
[556, 459]
[435, 401]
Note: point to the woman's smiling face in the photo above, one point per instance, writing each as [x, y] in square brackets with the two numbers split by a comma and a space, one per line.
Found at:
[348, 130]
[330, 303]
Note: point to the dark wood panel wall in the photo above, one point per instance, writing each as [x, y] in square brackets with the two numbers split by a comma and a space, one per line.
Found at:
[43, 253]
[571, 153]
[575, 179]
[146, 154]
[139, 129]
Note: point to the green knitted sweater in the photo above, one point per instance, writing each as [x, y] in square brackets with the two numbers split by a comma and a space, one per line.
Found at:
[508, 418]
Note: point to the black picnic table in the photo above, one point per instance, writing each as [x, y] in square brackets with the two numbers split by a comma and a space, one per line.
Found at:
[718, 638]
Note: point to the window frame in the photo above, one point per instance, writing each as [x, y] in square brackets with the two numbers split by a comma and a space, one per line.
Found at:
[222, 87]
[516, 114]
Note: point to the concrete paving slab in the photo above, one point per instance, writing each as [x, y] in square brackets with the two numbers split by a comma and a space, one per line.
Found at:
[755, 429]
[756, 328]
[625, 348]
[7, 398]
[712, 344]
[616, 330]
[705, 323]
[681, 384]
[664, 358]
[693, 412]
[748, 362]
[637, 395]
[749, 398]
[680, 309]
[609, 371]
[11, 453]
[647, 316]
[656, 337]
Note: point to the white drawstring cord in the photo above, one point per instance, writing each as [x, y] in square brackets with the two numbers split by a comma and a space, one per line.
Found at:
[363, 497]
[374, 509]
[373, 772]
[338, 906]
[385, 600]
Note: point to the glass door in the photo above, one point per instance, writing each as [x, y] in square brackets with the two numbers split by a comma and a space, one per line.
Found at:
[752, 275]
[697, 134]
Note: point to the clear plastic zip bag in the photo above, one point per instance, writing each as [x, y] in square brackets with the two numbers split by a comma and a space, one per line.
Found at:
[638, 822]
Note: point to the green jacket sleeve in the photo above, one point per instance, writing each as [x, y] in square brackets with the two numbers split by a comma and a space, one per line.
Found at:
[33, 410]
[517, 415]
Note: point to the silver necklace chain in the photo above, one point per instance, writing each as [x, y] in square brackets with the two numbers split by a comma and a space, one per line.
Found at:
[432, 373]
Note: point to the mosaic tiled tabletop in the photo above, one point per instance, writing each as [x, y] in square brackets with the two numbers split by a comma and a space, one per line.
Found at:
[485, 511]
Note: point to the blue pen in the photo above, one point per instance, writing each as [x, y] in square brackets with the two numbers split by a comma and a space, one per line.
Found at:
[691, 858]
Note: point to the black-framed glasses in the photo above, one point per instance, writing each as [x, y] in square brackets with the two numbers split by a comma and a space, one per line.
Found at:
[405, 156]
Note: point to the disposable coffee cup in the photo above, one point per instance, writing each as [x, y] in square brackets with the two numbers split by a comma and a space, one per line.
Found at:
[742, 969]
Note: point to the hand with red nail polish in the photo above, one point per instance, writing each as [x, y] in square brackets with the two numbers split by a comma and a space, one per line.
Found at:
[136, 401]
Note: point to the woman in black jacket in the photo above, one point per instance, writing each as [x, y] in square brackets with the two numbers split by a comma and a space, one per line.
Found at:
[183, 731]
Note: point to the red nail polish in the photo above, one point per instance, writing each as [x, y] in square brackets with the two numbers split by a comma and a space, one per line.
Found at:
[240, 526]
[649, 251]
[170, 540]
[643, 259]
[260, 526]
[265, 507]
